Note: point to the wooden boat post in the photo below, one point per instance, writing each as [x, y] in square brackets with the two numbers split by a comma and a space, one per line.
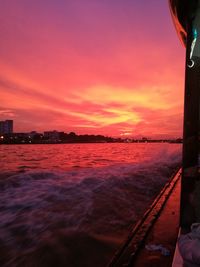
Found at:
[186, 15]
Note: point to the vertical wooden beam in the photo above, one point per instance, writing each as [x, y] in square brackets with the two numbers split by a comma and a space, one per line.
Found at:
[190, 189]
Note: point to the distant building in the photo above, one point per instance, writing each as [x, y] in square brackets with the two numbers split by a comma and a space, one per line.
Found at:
[53, 136]
[32, 134]
[6, 127]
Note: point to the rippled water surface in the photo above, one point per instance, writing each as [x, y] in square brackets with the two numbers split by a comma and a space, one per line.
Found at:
[73, 205]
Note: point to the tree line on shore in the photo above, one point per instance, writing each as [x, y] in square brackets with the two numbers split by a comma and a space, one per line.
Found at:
[54, 137]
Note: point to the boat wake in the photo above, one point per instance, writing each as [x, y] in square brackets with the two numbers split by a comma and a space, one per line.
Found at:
[50, 217]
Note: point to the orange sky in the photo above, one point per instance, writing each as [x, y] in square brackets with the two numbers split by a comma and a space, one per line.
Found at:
[94, 66]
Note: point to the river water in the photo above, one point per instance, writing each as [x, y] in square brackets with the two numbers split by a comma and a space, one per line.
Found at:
[73, 205]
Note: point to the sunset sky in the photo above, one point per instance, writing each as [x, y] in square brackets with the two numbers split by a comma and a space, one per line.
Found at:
[111, 67]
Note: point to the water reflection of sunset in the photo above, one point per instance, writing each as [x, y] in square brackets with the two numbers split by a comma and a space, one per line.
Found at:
[91, 67]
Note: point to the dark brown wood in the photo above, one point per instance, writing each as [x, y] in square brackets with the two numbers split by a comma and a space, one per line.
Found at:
[190, 189]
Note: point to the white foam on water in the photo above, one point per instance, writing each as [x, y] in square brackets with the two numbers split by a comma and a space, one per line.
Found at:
[37, 205]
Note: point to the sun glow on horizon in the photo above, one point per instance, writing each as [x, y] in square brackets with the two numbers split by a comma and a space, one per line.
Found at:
[111, 76]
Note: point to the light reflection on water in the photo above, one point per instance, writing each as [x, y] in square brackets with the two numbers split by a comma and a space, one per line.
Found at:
[60, 201]
[67, 156]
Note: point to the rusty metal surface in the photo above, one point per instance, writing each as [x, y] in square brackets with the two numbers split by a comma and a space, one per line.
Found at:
[127, 254]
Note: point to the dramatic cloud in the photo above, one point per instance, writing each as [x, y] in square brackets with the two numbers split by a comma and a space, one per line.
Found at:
[108, 67]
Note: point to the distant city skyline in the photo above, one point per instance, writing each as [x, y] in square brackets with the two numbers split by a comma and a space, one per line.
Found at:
[7, 127]
[109, 67]
[7, 136]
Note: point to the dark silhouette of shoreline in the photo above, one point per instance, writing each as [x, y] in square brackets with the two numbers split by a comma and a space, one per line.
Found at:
[55, 137]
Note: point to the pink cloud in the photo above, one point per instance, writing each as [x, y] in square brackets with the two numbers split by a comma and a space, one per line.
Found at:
[97, 67]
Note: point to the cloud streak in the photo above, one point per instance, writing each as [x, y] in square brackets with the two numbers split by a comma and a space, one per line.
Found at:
[91, 67]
